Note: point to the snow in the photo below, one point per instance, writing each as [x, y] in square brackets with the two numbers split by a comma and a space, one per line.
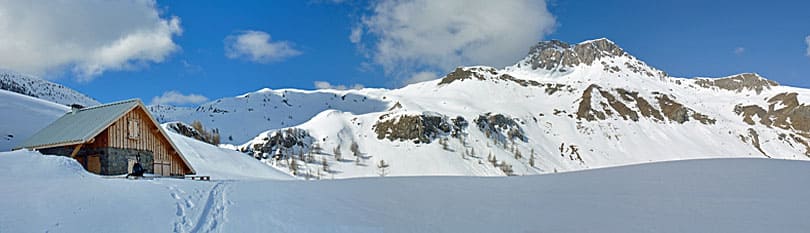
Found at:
[241, 118]
[22, 116]
[711, 195]
[39, 88]
[221, 163]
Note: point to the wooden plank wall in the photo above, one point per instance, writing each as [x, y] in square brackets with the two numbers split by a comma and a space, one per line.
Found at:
[149, 138]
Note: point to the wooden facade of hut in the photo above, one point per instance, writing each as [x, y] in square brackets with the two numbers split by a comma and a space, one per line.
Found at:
[109, 139]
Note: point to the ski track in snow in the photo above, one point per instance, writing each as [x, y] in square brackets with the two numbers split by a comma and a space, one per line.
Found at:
[214, 210]
[210, 215]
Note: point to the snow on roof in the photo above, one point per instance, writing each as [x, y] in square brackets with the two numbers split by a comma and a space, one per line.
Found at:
[79, 126]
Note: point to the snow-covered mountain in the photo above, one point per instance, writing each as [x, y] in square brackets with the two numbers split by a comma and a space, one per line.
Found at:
[22, 116]
[563, 107]
[39, 88]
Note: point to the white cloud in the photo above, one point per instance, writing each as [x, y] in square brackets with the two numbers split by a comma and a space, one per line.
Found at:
[87, 37]
[421, 77]
[327, 85]
[739, 50]
[407, 35]
[177, 98]
[356, 35]
[807, 41]
[256, 46]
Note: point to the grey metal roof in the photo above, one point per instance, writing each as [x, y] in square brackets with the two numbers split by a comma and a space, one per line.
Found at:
[79, 126]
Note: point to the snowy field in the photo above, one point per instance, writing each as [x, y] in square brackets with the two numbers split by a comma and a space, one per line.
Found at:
[54, 194]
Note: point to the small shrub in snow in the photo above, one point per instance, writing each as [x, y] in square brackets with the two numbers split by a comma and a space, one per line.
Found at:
[336, 152]
[507, 169]
[316, 148]
[382, 166]
[355, 149]
[324, 165]
[443, 142]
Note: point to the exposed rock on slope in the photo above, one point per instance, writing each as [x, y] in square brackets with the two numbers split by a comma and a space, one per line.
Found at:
[784, 111]
[482, 73]
[604, 104]
[500, 127]
[421, 128]
[185, 130]
[283, 143]
[739, 83]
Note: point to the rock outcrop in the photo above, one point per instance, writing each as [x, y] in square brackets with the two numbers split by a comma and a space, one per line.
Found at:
[739, 83]
[598, 103]
[783, 111]
[282, 143]
[481, 73]
[421, 128]
[500, 127]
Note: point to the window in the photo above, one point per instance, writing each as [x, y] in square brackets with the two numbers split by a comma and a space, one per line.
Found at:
[133, 129]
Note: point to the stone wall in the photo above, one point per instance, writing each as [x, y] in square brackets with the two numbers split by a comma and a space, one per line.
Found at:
[114, 161]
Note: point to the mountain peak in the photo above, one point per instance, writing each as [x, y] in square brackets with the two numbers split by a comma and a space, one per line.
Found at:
[556, 55]
[603, 54]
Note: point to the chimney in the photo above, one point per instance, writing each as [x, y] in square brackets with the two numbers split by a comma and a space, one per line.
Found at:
[75, 107]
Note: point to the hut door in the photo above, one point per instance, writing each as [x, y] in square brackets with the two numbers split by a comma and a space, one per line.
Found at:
[93, 164]
[162, 168]
[167, 168]
[157, 167]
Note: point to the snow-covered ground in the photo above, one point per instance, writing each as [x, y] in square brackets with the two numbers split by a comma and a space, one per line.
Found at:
[54, 194]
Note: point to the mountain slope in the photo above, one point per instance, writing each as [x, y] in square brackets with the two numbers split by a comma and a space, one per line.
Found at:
[23, 116]
[563, 107]
[241, 118]
[39, 88]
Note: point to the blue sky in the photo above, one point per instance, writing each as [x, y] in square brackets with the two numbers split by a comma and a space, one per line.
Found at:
[310, 41]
